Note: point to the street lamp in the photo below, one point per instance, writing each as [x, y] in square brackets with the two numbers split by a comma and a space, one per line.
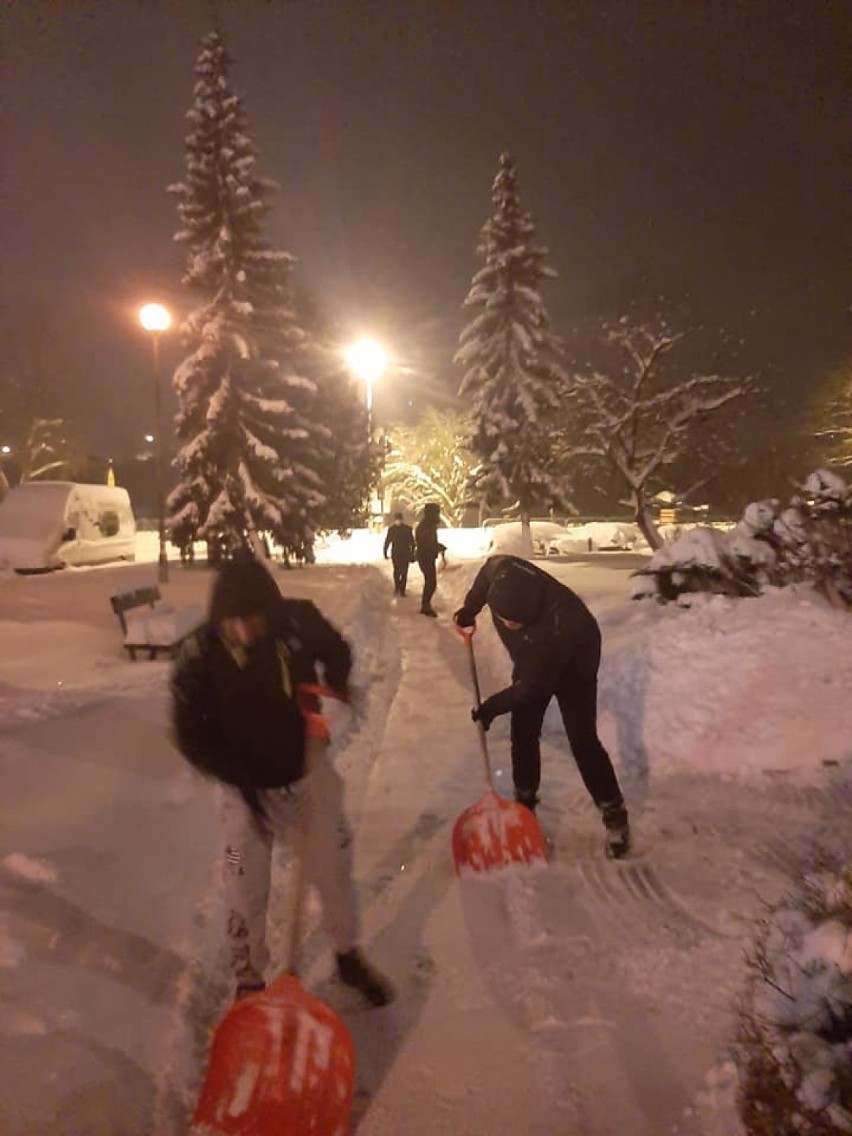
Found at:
[368, 360]
[156, 319]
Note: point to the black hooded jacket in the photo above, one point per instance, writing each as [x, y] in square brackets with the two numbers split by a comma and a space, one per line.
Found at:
[400, 541]
[234, 717]
[428, 546]
[559, 641]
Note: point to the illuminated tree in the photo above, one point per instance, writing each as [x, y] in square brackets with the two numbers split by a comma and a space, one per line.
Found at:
[430, 461]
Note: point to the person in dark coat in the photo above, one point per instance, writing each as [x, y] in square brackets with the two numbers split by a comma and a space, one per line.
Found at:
[239, 718]
[554, 643]
[399, 541]
[429, 548]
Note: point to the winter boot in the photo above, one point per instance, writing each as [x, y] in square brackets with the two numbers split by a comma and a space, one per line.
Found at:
[427, 609]
[527, 797]
[354, 970]
[617, 827]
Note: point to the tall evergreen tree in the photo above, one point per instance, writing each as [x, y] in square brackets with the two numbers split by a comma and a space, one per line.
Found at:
[510, 358]
[245, 418]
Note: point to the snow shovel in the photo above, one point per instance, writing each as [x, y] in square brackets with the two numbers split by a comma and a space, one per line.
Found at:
[281, 1060]
[494, 832]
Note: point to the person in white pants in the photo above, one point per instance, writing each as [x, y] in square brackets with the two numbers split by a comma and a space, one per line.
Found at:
[245, 714]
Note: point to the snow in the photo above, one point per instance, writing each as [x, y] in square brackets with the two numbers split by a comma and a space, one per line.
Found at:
[583, 997]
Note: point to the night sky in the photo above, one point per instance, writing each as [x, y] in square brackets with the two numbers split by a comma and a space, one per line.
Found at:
[704, 147]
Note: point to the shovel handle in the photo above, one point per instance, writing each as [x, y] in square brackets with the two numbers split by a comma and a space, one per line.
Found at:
[467, 636]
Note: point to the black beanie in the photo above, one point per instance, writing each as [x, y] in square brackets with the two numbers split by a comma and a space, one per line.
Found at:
[516, 593]
[243, 587]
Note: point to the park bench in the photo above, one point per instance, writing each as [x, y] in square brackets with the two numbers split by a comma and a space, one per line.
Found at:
[151, 624]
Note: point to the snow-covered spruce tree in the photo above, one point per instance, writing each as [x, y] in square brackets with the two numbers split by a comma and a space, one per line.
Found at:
[639, 413]
[430, 461]
[245, 422]
[512, 373]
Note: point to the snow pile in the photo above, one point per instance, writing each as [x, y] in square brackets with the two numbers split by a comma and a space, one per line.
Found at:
[797, 1030]
[808, 540]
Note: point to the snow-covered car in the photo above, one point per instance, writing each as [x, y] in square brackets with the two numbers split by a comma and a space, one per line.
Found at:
[596, 536]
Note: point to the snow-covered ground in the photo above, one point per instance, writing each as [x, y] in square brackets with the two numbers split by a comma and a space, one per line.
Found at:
[583, 998]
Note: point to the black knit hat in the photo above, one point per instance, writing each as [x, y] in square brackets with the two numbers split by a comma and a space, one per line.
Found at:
[243, 587]
[516, 592]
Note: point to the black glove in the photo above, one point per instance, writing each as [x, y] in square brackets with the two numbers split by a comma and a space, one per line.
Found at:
[481, 715]
[464, 617]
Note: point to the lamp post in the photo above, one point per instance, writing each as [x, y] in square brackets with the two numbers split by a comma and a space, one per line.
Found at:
[368, 361]
[156, 319]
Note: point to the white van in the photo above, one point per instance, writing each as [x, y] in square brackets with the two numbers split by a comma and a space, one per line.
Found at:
[51, 524]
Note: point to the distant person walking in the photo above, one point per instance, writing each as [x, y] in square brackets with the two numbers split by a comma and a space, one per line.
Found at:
[400, 543]
[429, 548]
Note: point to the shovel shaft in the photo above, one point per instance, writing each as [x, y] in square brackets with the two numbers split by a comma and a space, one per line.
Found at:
[483, 744]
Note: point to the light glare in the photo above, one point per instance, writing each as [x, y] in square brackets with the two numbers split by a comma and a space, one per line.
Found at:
[367, 359]
[154, 317]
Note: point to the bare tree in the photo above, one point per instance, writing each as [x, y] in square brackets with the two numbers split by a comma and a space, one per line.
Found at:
[640, 415]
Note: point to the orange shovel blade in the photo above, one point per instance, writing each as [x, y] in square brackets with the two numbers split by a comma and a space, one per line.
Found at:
[494, 833]
[281, 1061]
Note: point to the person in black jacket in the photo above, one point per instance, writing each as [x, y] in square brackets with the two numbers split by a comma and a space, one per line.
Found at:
[555, 645]
[239, 718]
[400, 542]
[429, 548]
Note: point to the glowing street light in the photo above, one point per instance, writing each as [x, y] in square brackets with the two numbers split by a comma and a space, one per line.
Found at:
[156, 319]
[367, 360]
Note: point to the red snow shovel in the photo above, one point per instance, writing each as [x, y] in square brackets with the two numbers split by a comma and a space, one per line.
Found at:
[494, 832]
[281, 1060]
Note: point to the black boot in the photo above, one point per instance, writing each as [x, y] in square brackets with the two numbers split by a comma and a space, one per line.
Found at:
[617, 827]
[527, 797]
[354, 970]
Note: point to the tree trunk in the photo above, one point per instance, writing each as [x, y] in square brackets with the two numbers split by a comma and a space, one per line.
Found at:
[643, 520]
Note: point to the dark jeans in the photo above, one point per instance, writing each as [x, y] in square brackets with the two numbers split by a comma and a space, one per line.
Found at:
[430, 581]
[400, 574]
[577, 695]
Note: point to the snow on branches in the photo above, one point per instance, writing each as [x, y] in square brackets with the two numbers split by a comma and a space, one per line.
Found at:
[807, 541]
[510, 357]
[245, 411]
[430, 462]
[795, 1027]
[639, 413]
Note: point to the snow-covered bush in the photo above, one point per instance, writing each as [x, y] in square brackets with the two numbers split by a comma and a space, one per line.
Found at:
[808, 540]
[795, 1031]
